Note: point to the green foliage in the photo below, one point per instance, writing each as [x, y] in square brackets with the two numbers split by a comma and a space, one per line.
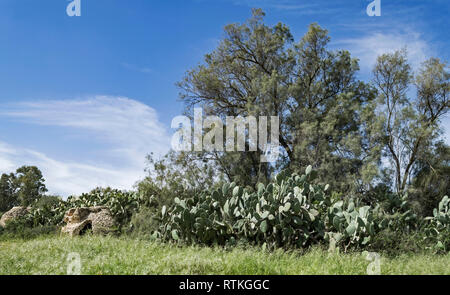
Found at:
[410, 125]
[30, 183]
[47, 211]
[291, 211]
[121, 203]
[8, 195]
[350, 225]
[177, 174]
[398, 214]
[51, 210]
[23, 228]
[24, 187]
[432, 178]
[126, 256]
[260, 70]
[357, 135]
[438, 229]
[144, 222]
[47, 201]
[394, 243]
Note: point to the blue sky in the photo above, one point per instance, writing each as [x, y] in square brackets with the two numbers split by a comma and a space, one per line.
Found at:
[86, 98]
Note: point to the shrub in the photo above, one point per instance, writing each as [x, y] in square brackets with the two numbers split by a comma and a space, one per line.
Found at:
[397, 213]
[144, 222]
[22, 229]
[47, 202]
[398, 242]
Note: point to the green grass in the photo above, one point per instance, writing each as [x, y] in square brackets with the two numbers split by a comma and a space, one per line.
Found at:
[108, 255]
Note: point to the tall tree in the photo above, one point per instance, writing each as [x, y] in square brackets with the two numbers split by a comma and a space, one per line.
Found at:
[328, 112]
[8, 192]
[30, 183]
[410, 124]
[258, 70]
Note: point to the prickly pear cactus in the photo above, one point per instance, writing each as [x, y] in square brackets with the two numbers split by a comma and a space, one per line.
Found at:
[285, 213]
[438, 228]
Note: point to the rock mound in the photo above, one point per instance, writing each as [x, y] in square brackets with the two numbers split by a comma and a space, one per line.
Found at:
[14, 213]
[79, 220]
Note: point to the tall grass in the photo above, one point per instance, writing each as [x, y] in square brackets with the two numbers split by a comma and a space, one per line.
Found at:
[110, 255]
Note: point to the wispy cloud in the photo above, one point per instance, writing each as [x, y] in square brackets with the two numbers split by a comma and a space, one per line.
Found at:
[292, 6]
[367, 48]
[67, 177]
[280, 4]
[128, 128]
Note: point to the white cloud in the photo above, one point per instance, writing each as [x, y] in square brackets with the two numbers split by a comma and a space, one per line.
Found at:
[129, 128]
[66, 177]
[369, 47]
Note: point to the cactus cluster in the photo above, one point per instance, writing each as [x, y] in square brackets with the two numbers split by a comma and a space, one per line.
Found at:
[122, 205]
[398, 214]
[349, 224]
[291, 211]
[438, 228]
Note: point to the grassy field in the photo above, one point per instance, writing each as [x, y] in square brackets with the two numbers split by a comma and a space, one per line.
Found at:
[108, 255]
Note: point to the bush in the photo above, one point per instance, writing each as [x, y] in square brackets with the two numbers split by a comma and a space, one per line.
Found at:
[398, 213]
[23, 229]
[47, 202]
[144, 223]
[394, 243]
